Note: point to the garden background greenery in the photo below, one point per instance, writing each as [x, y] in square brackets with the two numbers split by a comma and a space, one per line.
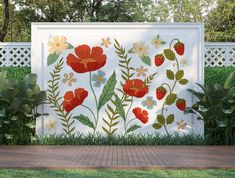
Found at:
[217, 15]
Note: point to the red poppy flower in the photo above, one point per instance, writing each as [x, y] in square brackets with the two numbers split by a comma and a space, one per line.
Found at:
[74, 99]
[86, 59]
[140, 114]
[135, 87]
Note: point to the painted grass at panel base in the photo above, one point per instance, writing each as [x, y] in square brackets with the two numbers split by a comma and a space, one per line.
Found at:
[131, 139]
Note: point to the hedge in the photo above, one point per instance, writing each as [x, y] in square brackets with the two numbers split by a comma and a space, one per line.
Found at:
[16, 72]
[212, 74]
[217, 74]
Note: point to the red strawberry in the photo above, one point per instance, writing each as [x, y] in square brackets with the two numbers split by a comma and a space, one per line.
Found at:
[160, 92]
[159, 59]
[181, 104]
[179, 48]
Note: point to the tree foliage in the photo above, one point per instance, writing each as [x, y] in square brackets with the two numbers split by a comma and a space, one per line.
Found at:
[218, 15]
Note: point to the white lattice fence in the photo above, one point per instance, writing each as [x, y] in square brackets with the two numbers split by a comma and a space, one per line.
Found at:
[219, 54]
[18, 54]
[15, 54]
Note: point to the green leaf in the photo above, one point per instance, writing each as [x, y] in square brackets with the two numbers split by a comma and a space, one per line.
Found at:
[146, 60]
[133, 128]
[148, 80]
[70, 46]
[3, 80]
[179, 74]
[14, 118]
[228, 110]
[170, 74]
[131, 51]
[229, 80]
[183, 81]
[85, 120]
[30, 79]
[33, 138]
[119, 107]
[31, 125]
[170, 99]
[170, 119]
[8, 136]
[108, 91]
[2, 112]
[157, 126]
[52, 58]
[161, 119]
[169, 54]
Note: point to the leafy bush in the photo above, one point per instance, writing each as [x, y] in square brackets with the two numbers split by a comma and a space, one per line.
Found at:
[216, 107]
[19, 100]
[132, 139]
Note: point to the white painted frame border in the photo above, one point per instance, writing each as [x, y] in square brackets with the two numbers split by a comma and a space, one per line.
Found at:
[35, 27]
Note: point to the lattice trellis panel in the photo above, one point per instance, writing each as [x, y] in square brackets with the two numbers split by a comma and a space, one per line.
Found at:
[18, 54]
[219, 54]
[15, 54]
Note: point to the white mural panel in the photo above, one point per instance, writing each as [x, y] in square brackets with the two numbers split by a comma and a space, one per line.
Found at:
[117, 78]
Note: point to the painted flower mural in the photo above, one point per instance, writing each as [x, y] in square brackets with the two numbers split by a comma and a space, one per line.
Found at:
[157, 41]
[140, 114]
[141, 71]
[72, 99]
[106, 42]
[136, 88]
[86, 59]
[99, 78]
[114, 92]
[57, 44]
[69, 78]
[149, 102]
[141, 49]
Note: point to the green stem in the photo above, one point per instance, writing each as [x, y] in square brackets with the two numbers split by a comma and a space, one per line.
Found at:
[125, 127]
[96, 102]
[175, 39]
[129, 107]
[167, 86]
[57, 105]
[93, 114]
[171, 90]
[125, 124]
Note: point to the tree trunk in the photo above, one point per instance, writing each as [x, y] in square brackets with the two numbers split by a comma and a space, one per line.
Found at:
[6, 19]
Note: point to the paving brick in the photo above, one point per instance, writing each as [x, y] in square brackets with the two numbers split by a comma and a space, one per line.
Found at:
[136, 157]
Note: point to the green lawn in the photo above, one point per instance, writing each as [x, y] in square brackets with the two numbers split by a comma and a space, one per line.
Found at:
[70, 173]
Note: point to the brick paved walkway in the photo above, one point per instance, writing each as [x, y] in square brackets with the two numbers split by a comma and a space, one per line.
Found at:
[137, 157]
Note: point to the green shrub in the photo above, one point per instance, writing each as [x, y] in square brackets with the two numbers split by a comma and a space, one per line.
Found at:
[19, 100]
[217, 74]
[216, 107]
[16, 72]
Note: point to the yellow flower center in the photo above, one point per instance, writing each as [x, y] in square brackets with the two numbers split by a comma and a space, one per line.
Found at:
[86, 61]
[135, 89]
[99, 78]
[57, 44]
[149, 102]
